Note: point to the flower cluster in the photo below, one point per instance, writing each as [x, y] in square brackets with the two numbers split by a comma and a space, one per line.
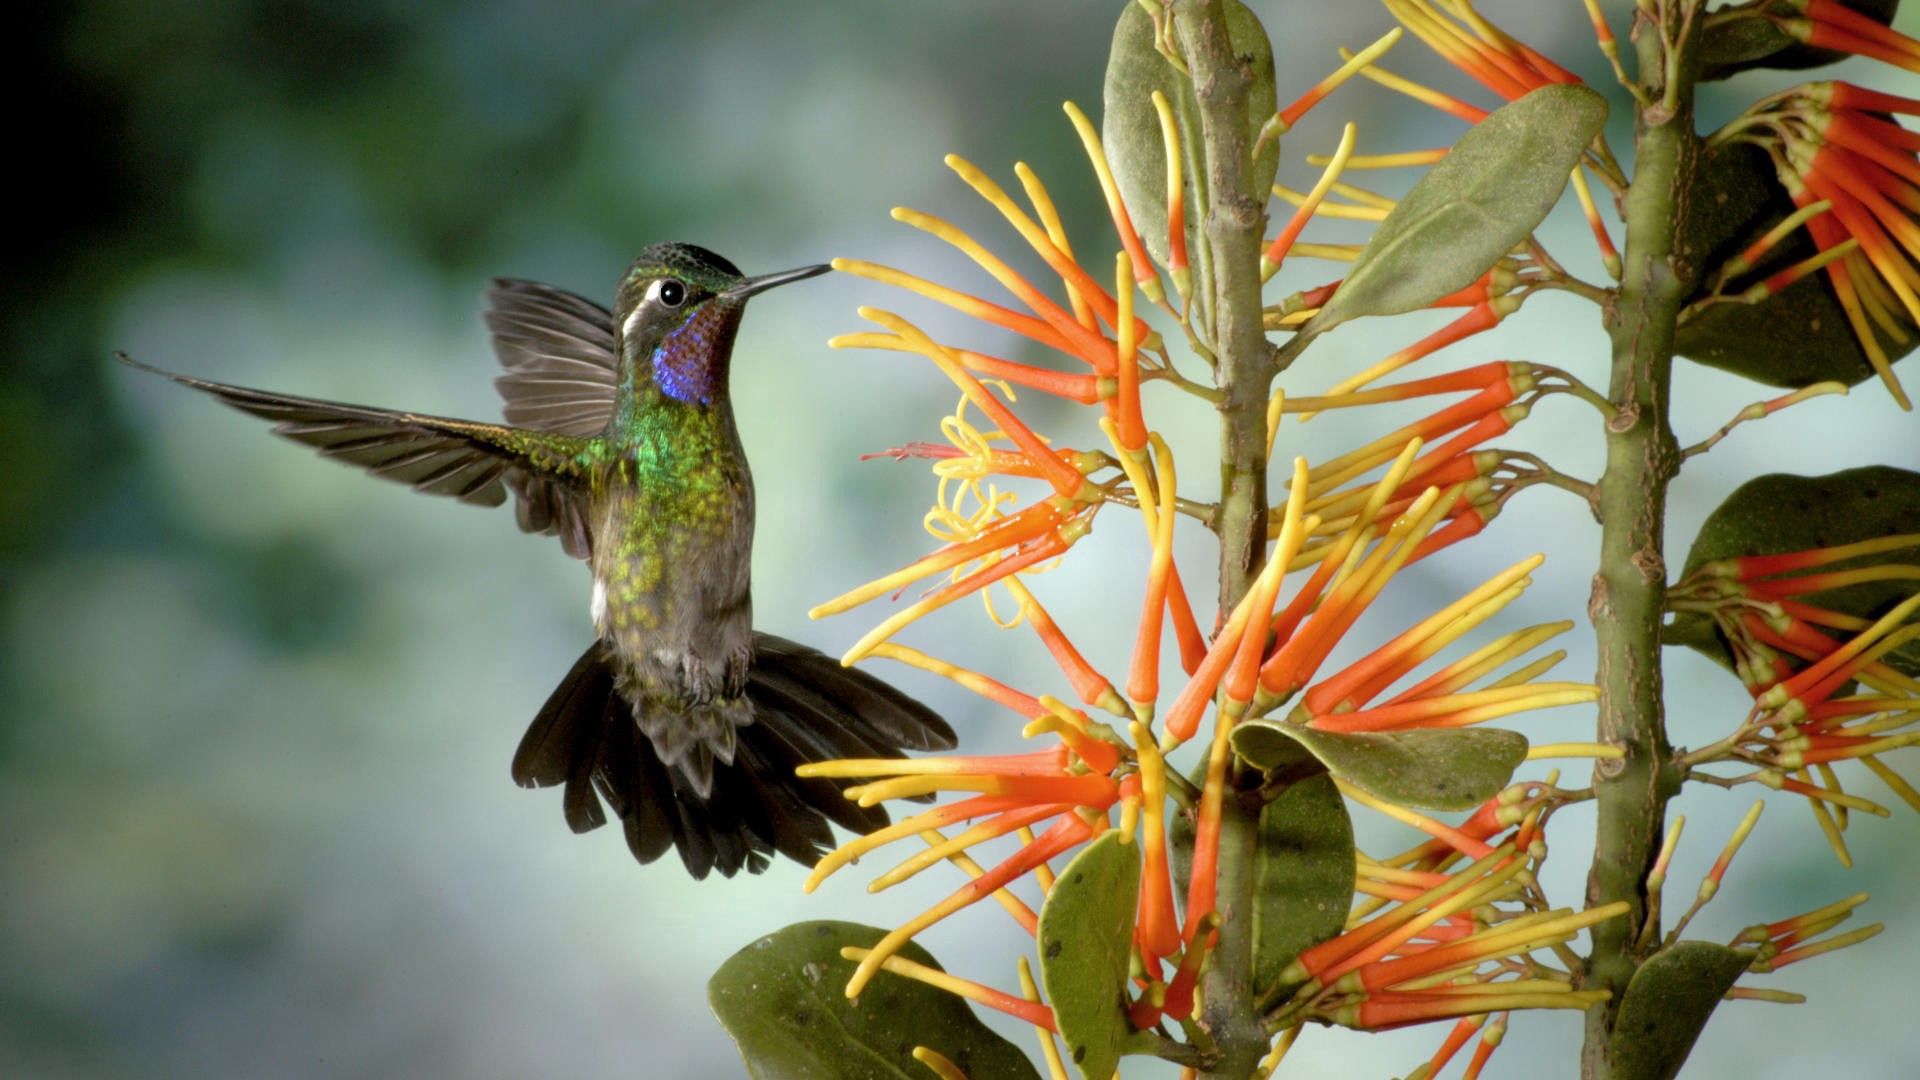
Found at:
[1457, 927]
[1509, 68]
[1785, 649]
[1347, 527]
[1854, 173]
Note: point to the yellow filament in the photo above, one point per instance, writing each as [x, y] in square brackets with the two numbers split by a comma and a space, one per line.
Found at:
[1311, 204]
[1385, 161]
[1013, 904]
[1575, 750]
[1322, 208]
[940, 846]
[1531, 671]
[1056, 1068]
[1494, 653]
[1271, 1063]
[938, 1063]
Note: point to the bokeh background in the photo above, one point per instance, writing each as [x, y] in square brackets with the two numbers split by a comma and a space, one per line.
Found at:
[255, 817]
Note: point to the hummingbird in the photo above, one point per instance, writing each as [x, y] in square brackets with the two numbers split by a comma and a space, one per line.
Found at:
[620, 441]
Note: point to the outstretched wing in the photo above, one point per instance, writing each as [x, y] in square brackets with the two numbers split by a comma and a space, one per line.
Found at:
[561, 359]
[560, 354]
[469, 461]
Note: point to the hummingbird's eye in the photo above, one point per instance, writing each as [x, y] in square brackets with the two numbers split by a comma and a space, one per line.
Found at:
[671, 293]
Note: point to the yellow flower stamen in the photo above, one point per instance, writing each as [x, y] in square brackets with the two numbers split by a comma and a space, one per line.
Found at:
[1027, 325]
[938, 1063]
[1276, 253]
[1609, 255]
[1271, 1063]
[1417, 820]
[1056, 231]
[940, 847]
[1042, 873]
[1056, 1068]
[1176, 197]
[1323, 208]
[1467, 889]
[1328, 252]
[1530, 672]
[1893, 780]
[1406, 654]
[1276, 407]
[1385, 161]
[1013, 905]
[1116, 206]
[1087, 344]
[1480, 704]
[1486, 658]
[1078, 281]
[1575, 750]
[1338, 550]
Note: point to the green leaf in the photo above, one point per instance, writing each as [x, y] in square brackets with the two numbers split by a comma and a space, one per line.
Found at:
[1433, 769]
[1130, 128]
[1795, 339]
[1303, 875]
[1473, 207]
[1268, 746]
[1667, 1004]
[1729, 47]
[782, 999]
[1779, 512]
[1086, 942]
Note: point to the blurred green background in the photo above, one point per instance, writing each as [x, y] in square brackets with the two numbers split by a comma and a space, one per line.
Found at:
[258, 710]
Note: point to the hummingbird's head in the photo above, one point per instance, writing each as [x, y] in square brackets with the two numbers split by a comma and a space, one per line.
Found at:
[678, 309]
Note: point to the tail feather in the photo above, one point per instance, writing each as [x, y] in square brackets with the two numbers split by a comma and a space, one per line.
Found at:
[815, 723]
[889, 714]
[805, 708]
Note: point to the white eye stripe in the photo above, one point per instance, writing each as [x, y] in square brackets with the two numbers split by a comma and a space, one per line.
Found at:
[653, 290]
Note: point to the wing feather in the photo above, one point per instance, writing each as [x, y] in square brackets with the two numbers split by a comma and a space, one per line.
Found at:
[435, 455]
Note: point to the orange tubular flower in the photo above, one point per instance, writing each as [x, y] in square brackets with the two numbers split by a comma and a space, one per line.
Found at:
[1014, 792]
[1855, 174]
[1030, 1011]
[1481, 50]
[1828, 24]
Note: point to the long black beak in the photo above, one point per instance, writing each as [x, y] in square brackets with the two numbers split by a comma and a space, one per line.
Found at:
[755, 285]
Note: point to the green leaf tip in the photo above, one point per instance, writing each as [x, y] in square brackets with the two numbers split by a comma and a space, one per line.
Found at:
[781, 999]
[1432, 769]
[1085, 939]
[1667, 1005]
[1472, 207]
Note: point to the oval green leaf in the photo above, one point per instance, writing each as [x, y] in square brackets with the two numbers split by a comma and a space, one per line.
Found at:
[1130, 127]
[1303, 875]
[1781, 512]
[1086, 942]
[1667, 1004]
[782, 999]
[1471, 208]
[1795, 339]
[1435, 769]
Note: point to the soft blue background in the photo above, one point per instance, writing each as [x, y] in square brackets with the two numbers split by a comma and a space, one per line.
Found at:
[258, 710]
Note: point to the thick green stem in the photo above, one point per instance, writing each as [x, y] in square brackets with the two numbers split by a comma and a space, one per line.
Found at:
[1233, 223]
[1642, 457]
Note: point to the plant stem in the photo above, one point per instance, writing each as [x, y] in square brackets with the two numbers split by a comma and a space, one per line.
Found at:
[1642, 457]
[1234, 219]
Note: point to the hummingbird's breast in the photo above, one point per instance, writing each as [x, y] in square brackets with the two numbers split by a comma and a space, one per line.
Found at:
[672, 557]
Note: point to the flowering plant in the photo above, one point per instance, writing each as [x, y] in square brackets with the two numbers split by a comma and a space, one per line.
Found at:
[1210, 904]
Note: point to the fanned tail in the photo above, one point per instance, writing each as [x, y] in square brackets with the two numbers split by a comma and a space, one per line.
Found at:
[806, 707]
